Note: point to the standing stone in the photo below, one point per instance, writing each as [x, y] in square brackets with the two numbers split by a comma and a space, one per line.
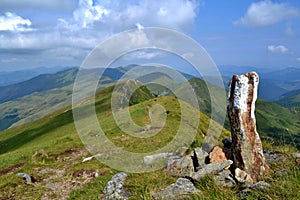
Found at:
[246, 145]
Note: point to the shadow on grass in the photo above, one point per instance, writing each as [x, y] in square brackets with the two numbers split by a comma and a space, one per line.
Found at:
[24, 137]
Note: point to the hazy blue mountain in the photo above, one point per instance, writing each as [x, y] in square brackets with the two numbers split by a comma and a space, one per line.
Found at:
[290, 99]
[13, 77]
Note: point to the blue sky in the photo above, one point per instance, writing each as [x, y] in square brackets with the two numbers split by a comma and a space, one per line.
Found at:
[62, 32]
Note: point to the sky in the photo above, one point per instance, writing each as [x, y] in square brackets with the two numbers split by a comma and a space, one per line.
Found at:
[51, 33]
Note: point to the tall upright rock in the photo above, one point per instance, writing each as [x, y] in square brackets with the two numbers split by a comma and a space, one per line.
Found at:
[246, 147]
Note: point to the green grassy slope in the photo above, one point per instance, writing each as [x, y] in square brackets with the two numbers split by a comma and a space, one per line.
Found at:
[45, 94]
[273, 121]
[37, 84]
[290, 100]
[55, 134]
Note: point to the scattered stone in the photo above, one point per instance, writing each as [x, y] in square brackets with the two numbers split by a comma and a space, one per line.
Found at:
[227, 142]
[179, 190]
[50, 186]
[212, 168]
[242, 177]
[180, 166]
[225, 178]
[281, 172]
[261, 185]
[88, 159]
[150, 159]
[115, 189]
[273, 157]
[217, 155]
[200, 156]
[246, 144]
[28, 179]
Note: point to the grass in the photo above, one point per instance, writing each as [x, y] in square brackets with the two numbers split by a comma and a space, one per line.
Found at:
[57, 136]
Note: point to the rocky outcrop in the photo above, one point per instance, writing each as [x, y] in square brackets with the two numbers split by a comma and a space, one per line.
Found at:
[115, 189]
[179, 190]
[217, 155]
[180, 166]
[247, 149]
[212, 168]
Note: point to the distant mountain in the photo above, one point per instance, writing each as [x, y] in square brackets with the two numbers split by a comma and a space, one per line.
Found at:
[290, 99]
[13, 77]
[287, 74]
[30, 100]
[273, 120]
[273, 84]
[270, 90]
[38, 84]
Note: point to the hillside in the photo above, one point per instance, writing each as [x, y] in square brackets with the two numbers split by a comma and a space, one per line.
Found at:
[56, 136]
[51, 151]
[273, 120]
[38, 84]
[290, 99]
[45, 94]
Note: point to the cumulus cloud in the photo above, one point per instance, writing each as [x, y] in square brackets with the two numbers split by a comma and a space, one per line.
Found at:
[121, 15]
[88, 12]
[266, 13]
[86, 23]
[278, 49]
[12, 22]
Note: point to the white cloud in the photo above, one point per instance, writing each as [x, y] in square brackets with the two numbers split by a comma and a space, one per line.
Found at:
[298, 59]
[142, 54]
[266, 13]
[12, 22]
[87, 13]
[86, 23]
[278, 49]
[122, 15]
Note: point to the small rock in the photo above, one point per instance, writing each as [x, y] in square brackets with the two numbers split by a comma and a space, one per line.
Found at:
[225, 178]
[201, 155]
[50, 186]
[29, 179]
[217, 155]
[179, 190]
[281, 172]
[261, 185]
[242, 177]
[180, 166]
[115, 189]
[150, 159]
[273, 157]
[211, 168]
[88, 159]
